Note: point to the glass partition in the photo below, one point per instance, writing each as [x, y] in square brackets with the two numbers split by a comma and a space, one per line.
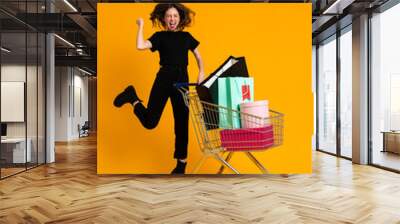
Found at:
[346, 93]
[22, 88]
[385, 88]
[14, 153]
[327, 95]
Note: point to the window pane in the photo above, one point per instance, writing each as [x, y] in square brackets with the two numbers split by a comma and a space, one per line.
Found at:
[386, 88]
[327, 96]
[346, 94]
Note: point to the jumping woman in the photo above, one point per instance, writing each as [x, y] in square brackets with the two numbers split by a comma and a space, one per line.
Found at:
[173, 45]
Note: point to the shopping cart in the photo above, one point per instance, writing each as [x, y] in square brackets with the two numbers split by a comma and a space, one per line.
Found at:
[218, 134]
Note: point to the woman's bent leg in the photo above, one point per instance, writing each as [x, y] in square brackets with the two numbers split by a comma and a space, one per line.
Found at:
[150, 116]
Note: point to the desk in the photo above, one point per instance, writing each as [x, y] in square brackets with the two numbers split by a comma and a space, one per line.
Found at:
[15, 148]
[391, 141]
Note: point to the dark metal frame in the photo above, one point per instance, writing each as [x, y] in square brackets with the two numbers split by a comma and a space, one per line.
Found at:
[338, 98]
[316, 97]
[369, 90]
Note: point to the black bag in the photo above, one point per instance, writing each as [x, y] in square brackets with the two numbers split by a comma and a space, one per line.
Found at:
[208, 89]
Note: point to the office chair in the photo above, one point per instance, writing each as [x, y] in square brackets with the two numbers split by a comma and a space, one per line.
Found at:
[84, 130]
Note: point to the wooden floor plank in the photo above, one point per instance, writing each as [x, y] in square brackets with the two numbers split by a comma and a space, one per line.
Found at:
[70, 191]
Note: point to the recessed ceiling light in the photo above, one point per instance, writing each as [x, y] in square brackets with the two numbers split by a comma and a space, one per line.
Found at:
[337, 7]
[64, 40]
[5, 50]
[70, 5]
[84, 71]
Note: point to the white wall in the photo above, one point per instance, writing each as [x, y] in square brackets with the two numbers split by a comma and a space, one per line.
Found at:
[80, 84]
[61, 103]
[71, 102]
[13, 73]
[33, 127]
[16, 73]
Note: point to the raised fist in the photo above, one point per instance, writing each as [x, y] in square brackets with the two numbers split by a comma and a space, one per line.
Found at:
[139, 22]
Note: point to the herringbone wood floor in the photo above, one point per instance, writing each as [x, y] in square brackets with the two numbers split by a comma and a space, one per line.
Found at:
[69, 191]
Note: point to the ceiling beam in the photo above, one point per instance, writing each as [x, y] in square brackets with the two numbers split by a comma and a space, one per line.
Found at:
[86, 26]
[83, 61]
[337, 7]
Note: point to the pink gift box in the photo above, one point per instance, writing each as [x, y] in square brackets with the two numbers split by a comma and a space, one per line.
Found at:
[245, 139]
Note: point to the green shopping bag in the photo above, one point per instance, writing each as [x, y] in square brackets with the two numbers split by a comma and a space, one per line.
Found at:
[233, 91]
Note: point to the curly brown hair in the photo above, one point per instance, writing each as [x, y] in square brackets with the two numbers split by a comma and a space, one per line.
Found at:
[186, 15]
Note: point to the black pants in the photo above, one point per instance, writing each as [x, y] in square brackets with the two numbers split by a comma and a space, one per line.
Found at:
[160, 92]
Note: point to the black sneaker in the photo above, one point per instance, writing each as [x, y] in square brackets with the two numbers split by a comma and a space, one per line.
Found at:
[180, 167]
[127, 96]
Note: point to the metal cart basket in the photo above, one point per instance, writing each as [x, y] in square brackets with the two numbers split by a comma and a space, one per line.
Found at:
[219, 135]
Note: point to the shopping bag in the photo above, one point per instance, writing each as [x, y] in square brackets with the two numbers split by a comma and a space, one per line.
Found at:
[208, 89]
[232, 67]
[232, 92]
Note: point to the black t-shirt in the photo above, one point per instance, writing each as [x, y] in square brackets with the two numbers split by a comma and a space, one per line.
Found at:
[173, 46]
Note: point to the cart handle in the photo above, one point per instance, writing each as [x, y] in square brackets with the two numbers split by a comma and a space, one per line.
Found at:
[179, 85]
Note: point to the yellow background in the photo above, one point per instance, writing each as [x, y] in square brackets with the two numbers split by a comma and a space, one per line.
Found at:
[274, 38]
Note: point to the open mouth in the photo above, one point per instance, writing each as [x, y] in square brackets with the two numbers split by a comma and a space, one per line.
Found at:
[172, 25]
